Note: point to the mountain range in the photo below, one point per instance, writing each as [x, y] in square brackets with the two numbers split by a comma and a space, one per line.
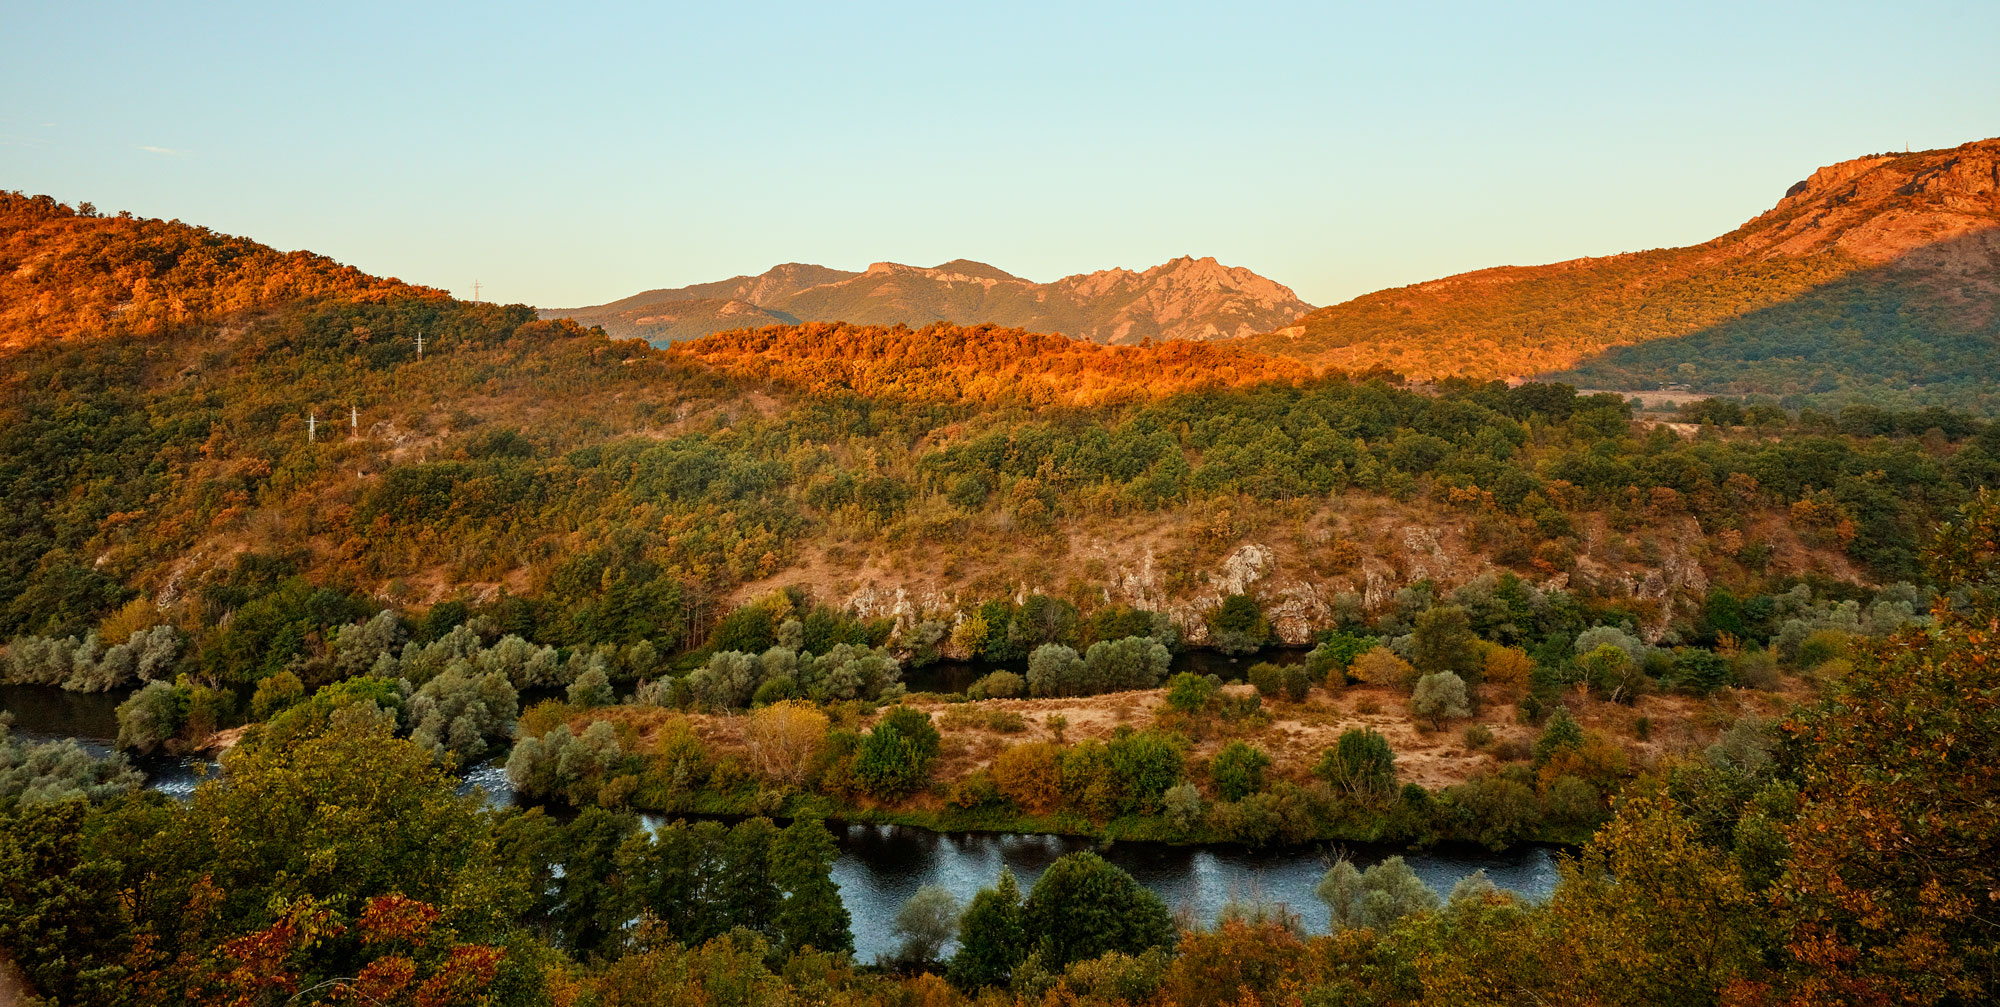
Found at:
[1186, 298]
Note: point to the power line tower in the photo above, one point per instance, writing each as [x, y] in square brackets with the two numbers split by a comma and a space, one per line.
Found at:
[312, 427]
[420, 346]
[475, 291]
[353, 422]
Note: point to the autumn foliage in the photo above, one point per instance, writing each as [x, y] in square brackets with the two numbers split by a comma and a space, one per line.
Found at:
[66, 272]
[983, 363]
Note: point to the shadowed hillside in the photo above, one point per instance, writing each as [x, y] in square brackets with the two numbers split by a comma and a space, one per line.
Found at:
[1890, 245]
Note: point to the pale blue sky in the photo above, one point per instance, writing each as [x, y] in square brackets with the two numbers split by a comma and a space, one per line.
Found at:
[566, 157]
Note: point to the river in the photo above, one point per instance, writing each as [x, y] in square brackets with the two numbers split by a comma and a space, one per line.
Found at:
[880, 866]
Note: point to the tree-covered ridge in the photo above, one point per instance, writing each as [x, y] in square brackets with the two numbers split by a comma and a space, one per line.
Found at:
[984, 363]
[67, 272]
[1896, 252]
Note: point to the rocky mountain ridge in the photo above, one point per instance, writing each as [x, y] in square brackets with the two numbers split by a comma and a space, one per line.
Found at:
[1185, 298]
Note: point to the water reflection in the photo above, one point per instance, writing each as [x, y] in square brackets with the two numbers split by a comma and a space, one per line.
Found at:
[881, 866]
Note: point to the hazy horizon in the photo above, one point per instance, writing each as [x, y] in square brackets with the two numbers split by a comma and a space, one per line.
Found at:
[567, 159]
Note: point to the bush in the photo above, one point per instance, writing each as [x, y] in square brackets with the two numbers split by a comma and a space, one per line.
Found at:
[1082, 907]
[1375, 898]
[1360, 763]
[1183, 808]
[275, 694]
[783, 738]
[1055, 670]
[1030, 775]
[152, 716]
[1757, 669]
[897, 756]
[1381, 666]
[1189, 692]
[1478, 736]
[1440, 697]
[592, 688]
[1268, 679]
[1298, 683]
[997, 685]
[1238, 626]
[1238, 770]
[1700, 672]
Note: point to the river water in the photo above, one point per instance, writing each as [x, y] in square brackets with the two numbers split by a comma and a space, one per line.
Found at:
[880, 866]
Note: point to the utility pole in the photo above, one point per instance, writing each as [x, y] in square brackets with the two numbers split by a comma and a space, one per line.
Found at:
[475, 291]
[312, 427]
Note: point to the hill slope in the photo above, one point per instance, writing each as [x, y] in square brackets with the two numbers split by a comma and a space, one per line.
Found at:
[1895, 252]
[65, 273]
[1187, 298]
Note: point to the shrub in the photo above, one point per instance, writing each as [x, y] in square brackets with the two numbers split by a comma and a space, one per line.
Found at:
[1238, 770]
[275, 694]
[1382, 667]
[1183, 808]
[1440, 697]
[1375, 898]
[896, 758]
[1268, 679]
[1508, 667]
[1189, 692]
[1336, 652]
[783, 738]
[1361, 763]
[1144, 765]
[1238, 626]
[1030, 775]
[1055, 670]
[1478, 736]
[1756, 668]
[592, 688]
[997, 685]
[1700, 671]
[1298, 683]
[151, 716]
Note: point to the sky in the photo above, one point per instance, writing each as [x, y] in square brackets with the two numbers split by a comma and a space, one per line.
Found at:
[570, 154]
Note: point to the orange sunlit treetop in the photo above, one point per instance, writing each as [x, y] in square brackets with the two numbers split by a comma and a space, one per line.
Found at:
[944, 362]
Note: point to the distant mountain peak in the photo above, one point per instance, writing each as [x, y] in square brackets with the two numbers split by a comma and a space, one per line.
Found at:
[1184, 298]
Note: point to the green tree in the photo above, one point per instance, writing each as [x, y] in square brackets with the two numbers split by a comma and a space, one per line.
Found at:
[1082, 907]
[1375, 898]
[895, 759]
[992, 937]
[1443, 641]
[926, 922]
[811, 914]
[1438, 697]
[1360, 763]
[1238, 770]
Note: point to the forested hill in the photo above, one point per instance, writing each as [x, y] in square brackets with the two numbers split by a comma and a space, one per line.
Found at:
[70, 271]
[1186, 298]
[1874, 278]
